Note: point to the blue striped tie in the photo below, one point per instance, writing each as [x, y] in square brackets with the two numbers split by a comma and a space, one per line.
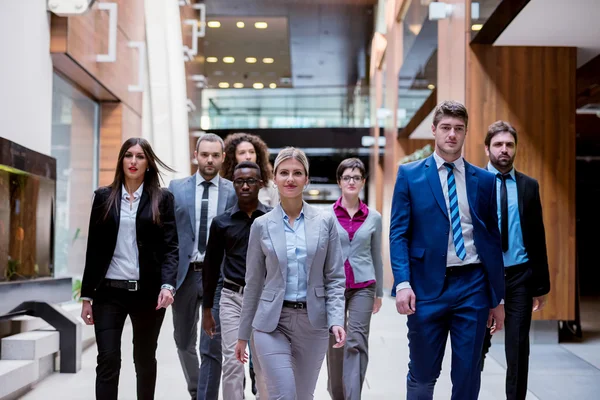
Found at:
[459, 243]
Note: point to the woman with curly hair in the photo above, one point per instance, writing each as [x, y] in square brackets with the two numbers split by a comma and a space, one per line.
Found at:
[246, 147]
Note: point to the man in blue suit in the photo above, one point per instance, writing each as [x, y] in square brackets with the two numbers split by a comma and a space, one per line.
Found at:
[446, 257]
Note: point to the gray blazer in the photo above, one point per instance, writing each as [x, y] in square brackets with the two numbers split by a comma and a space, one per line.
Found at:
[364, 251]
[266, 272]
[184, 191]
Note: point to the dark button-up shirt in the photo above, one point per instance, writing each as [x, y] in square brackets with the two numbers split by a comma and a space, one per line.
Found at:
[227, 245]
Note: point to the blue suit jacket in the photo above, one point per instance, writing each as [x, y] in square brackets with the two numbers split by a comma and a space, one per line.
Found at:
[420, 226]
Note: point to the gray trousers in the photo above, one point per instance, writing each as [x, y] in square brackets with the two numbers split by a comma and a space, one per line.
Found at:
[347, 366]
[203, 379]
[233, 370]
[291, 356]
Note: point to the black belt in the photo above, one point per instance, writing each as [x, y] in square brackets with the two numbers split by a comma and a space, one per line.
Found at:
[196, 265]
[515, 269]
[132, 286]
[296, 305]
[234, 287]
[461, 269]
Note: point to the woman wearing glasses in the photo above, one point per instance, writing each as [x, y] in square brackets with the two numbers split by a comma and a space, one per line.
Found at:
[294, 294]
[359, 228]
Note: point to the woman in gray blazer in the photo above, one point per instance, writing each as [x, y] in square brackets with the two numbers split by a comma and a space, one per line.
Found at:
[359, 228]
[294, 294]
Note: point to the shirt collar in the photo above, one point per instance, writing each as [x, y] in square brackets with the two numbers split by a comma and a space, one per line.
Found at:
[236, 208]
[459, 163]
[286, 218]
[338, 205]
[200, 179]
[136, 195]
[492, 169]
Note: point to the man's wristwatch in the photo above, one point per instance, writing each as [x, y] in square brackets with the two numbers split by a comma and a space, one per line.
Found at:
[169, 288]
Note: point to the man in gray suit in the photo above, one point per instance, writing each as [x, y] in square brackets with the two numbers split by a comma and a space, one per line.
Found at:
[198, 199]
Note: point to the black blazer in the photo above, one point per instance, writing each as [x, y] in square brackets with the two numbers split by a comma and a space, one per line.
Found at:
[534, 234]
[157, 244]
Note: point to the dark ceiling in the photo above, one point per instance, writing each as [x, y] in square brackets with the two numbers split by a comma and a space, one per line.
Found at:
[328, 39]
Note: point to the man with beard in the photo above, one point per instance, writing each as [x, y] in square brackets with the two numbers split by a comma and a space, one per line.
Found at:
[524, 252]
[198, 199]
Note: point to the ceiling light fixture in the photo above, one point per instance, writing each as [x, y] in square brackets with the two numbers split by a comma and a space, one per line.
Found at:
[272, 85]
[238, 85]
[258, 85]
[212, 59]
[240, 24]
[314, 192]
[268, 60]
[228, 60]
[214, 24]
[476, 27]
[250, 60]
[261, 25]
[223, 85]
[431, 86]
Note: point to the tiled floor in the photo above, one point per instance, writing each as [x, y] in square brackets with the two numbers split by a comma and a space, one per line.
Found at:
[566, 371]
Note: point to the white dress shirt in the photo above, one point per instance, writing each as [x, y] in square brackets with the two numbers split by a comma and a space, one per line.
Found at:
[466, 222]
[125, 263]
[213, 200]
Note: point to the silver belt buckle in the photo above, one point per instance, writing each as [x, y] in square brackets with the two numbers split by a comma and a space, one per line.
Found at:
[135, 286]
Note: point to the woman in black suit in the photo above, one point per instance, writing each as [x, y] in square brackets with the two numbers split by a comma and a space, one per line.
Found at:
[131, 261]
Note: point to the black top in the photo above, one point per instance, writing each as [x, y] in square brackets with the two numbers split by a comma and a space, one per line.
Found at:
[228, 239]
[157, 244]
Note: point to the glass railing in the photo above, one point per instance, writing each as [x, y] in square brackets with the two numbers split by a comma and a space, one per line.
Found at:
[304, 107]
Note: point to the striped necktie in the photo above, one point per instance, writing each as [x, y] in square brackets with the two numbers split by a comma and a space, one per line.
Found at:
[459, 243]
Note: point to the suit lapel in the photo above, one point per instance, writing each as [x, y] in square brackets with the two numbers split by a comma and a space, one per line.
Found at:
[277, 236]
[144, 203]
[190, 199]
[223, 195]
[433, 177]
[520, 192]
[311, 227]
[472, 182]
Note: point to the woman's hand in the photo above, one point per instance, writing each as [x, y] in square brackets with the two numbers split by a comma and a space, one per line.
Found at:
[376, 305]
[340, 336]
[240, 351]
[165, 299]
[86, 312]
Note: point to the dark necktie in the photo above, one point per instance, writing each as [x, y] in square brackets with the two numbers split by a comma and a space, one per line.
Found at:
[457, 236]
[203, 229]
[504, 210]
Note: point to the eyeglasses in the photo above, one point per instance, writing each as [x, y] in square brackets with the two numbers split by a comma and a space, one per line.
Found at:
[249, 182]
[355, 178]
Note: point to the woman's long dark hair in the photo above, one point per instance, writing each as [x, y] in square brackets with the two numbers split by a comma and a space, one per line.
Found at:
[152, 178]
[262, 155]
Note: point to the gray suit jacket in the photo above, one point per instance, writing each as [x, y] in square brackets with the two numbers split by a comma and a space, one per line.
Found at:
[364, 251]
[184, 191]
[266, 272]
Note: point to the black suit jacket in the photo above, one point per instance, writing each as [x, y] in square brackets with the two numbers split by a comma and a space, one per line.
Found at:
[157, 244]
[534, 234]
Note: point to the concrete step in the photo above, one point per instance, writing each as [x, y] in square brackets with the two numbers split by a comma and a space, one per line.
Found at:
[30, 345]
[16, 376]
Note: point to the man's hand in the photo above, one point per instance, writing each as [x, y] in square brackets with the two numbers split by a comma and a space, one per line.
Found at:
[496, 319]
[340, 336]
[539, 302]
[86, 312]
[240, 351]
[376, 305]
[406, 301]
[208, 322]
[165, 299]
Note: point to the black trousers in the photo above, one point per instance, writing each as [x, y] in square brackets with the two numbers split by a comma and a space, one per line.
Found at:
[110, 308]
[518, 306]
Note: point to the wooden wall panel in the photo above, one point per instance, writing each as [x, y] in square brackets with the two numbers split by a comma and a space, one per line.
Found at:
[534, 89]
[110, 140]
[131, 19]
[131, 125]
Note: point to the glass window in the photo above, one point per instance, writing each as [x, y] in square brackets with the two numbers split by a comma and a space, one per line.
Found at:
[75, 146]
